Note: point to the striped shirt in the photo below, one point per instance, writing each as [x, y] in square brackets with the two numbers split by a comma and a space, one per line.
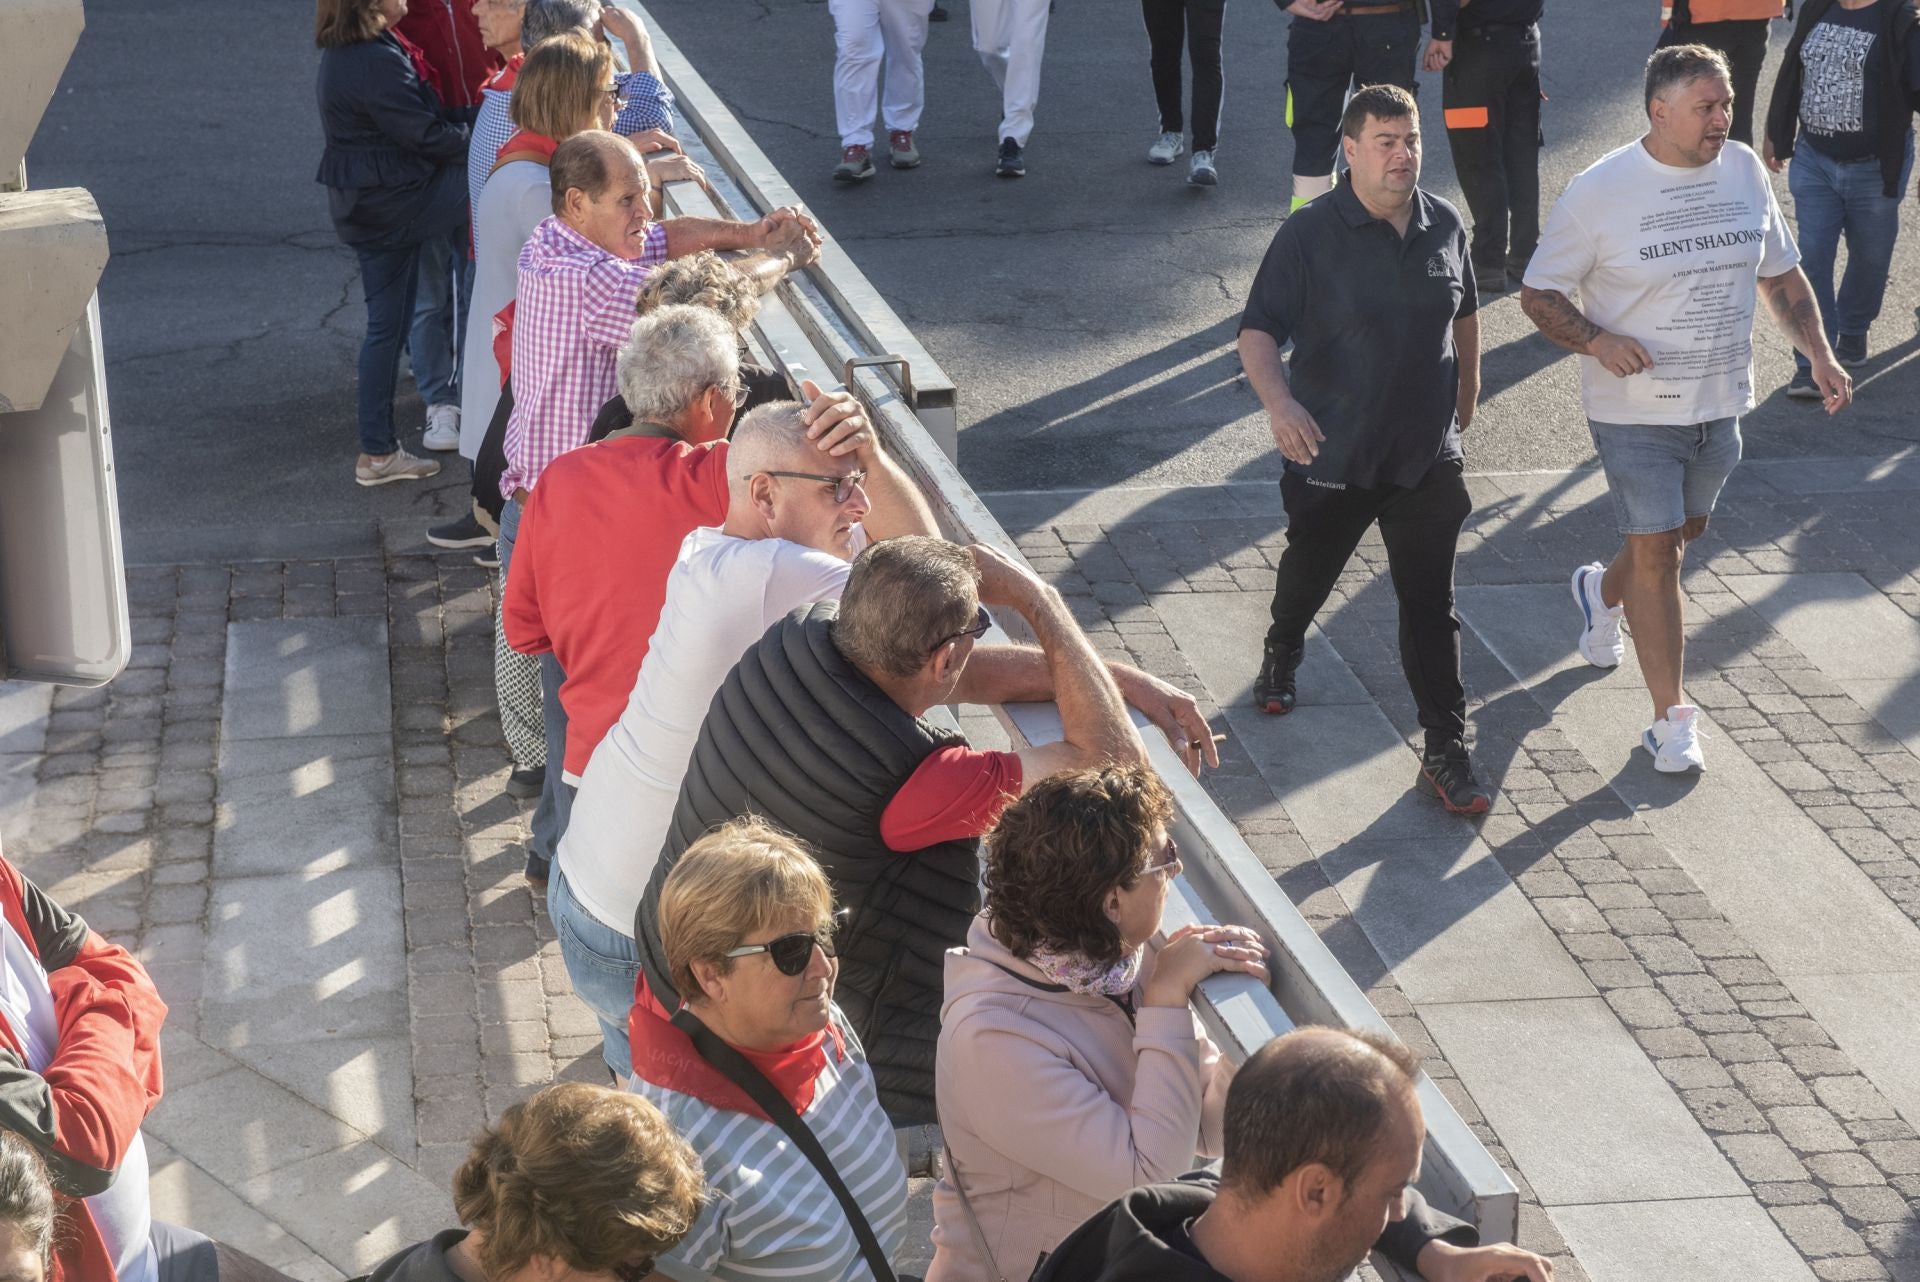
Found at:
[573, 311]
[649, 106]
[768, 1212]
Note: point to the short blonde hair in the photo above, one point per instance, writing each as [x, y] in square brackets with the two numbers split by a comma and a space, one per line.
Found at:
[592, 1177]
[702, 280]
[559, 86]
[739, 879]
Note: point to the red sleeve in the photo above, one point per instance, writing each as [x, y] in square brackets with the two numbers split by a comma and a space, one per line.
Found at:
[520, 600]
[106, 1074]
[955, 793]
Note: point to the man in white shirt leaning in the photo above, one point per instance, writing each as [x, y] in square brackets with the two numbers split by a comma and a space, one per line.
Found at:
[1669, 241]
[793, 526]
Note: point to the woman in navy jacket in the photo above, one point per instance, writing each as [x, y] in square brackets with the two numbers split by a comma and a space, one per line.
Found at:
[395, 172]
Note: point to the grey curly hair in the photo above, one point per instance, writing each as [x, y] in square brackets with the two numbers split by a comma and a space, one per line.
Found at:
[673, 354]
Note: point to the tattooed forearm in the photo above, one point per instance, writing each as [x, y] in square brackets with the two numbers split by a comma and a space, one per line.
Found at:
[1556, 316]
[1794, 310]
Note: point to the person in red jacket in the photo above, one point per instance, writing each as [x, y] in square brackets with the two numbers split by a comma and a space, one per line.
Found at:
[79, 1071]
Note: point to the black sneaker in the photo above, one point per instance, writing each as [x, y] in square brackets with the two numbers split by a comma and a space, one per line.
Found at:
[1012, 163]
[938, 13]
[463, 532]
[1448, 775]
[1850, 350]
[526, 784]
[1273, 689]
[539, 868]
[1803, 388]
[488, 558]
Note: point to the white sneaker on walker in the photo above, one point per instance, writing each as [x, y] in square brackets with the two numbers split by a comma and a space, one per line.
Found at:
[1675, 740]
[1600, 642]
[443, 428]
[1166, 149]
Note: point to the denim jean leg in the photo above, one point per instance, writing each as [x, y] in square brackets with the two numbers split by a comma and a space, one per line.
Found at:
[556, 794]
[602, 964]
[1820, 208]
[1873, 225]
[430, 339]
[387, 279]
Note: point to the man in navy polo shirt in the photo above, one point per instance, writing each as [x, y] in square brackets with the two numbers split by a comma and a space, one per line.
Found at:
[1372, 285]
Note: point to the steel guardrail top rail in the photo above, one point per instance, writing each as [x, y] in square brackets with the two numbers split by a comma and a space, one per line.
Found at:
[804, 330]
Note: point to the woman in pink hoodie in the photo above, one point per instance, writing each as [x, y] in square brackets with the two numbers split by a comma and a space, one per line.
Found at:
[1070, 1067]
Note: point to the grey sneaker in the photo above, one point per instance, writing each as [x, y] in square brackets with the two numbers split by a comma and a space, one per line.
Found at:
[901, 149]
[855, 166]
[1166, 149]
[1201, 172]
[397, 466]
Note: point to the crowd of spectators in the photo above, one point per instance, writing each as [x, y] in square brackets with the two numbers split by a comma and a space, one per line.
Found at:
[727, 614]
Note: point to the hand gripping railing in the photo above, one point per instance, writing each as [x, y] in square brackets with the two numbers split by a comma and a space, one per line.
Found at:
[812, 327]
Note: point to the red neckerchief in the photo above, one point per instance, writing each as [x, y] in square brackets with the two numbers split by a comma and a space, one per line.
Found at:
[503, 340]
[503, 79]
[428, 75]
[529, 141]
[664, 1056]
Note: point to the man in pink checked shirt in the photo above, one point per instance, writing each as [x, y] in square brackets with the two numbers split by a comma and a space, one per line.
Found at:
[581, 273]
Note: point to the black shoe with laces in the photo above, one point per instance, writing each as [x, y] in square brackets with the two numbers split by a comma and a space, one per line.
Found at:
[1448, 775]
[1012, 163]
[462, 532]
[1279, 667]
[526, 784]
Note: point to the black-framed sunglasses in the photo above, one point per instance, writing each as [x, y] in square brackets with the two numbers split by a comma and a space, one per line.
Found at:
[616, 97]
[843, 486]
[981, 622]
[790, 954]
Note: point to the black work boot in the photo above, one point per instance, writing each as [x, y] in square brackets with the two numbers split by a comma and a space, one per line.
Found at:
[1273, 688]
[1448, 775]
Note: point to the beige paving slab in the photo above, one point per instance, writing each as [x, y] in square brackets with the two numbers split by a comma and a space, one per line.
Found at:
[24, 708]
[1840, 621]
[1722, 1239]
[356, 1205]
[306, 676]
[1222, 633]
[1873, 1017]
[1450, 922]
[238, 1124]
[1895, 704]
[184, 1194]
[1532, 628]
[306, 804]
[1578, 1104]
[366, 1082]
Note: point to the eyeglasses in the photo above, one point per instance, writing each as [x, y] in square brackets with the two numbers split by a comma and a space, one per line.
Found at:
[1168, 864]
[735, 390]
[981, 622]
[791, 954]
[614, 95]
[843, 486]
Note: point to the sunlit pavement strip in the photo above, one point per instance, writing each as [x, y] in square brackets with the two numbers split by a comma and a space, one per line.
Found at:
[1684, 1015]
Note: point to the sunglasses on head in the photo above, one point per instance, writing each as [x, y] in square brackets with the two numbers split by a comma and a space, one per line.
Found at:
[790, 954]
[981, 622]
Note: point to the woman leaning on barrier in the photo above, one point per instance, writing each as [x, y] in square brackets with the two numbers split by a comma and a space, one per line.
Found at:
[763, 1074]
[395, 169]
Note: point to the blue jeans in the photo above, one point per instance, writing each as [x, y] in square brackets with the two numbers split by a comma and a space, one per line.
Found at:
[389, 278]
[556, 794]
[439, 328]
[603, 964]
[1832, 198]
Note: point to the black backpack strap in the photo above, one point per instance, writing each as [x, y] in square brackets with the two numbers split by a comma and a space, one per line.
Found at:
[739, 1070]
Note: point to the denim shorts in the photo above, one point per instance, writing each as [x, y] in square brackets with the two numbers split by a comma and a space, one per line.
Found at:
[1660, 476]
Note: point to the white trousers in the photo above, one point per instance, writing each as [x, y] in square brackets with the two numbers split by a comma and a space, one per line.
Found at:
[1010, 36]
[865, 32]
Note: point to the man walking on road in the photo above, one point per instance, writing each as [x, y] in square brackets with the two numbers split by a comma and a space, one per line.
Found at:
[865, 33]
[1738, 29]
[1373, 287]
[1489, 51]
[1011, 37]
[1334, 46]
[1669, 241]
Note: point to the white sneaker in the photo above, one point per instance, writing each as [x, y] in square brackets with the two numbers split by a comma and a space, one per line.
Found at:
[1675, 741]
[1600, 642]
[1202, 173]
[1164, 151]
[443, 428]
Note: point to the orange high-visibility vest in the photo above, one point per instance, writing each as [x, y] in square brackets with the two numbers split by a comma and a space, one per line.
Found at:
[1726, 10]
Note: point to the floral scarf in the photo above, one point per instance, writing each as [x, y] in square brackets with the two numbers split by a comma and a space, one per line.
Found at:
[1080, 974]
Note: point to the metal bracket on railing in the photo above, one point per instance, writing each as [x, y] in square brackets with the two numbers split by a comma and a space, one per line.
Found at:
[871, 362]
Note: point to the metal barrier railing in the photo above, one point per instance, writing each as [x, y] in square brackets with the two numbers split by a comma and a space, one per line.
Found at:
[812, 326]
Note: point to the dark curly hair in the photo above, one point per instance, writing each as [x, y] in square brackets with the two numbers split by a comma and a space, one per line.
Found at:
[1058, 851]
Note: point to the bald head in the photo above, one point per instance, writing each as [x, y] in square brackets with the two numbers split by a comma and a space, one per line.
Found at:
[589, 162]
[1315, 1095]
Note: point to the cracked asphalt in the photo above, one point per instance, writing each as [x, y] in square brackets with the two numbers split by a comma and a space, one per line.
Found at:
[1087, 312]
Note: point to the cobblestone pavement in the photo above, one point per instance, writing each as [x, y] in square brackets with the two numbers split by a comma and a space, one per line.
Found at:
[1792, 598]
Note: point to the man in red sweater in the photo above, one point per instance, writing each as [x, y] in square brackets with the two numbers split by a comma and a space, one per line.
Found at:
[598, 536]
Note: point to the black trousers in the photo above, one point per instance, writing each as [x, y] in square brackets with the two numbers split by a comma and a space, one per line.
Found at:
[1324, 60]
[1744, 41]
[1491, 92]
[1194, 24]
[1421, 527]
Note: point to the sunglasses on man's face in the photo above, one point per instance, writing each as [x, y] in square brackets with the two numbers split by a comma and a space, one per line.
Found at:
[981, 622]
[791, 954]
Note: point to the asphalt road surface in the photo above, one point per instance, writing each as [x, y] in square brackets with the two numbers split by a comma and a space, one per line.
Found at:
[1087, 312]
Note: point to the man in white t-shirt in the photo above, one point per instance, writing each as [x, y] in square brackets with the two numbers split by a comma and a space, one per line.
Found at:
[793, 526]
[1669, 242]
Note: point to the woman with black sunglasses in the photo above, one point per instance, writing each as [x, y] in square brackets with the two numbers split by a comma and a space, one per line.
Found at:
[758, 1050]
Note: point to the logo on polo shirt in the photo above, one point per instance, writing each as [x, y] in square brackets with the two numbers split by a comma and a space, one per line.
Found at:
[1437, 266]
[1325, 485]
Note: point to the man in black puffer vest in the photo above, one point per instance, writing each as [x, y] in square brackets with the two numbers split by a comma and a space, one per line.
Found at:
[819, 729]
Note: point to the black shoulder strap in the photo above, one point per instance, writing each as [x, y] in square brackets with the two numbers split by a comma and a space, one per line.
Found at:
[741, 1072]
